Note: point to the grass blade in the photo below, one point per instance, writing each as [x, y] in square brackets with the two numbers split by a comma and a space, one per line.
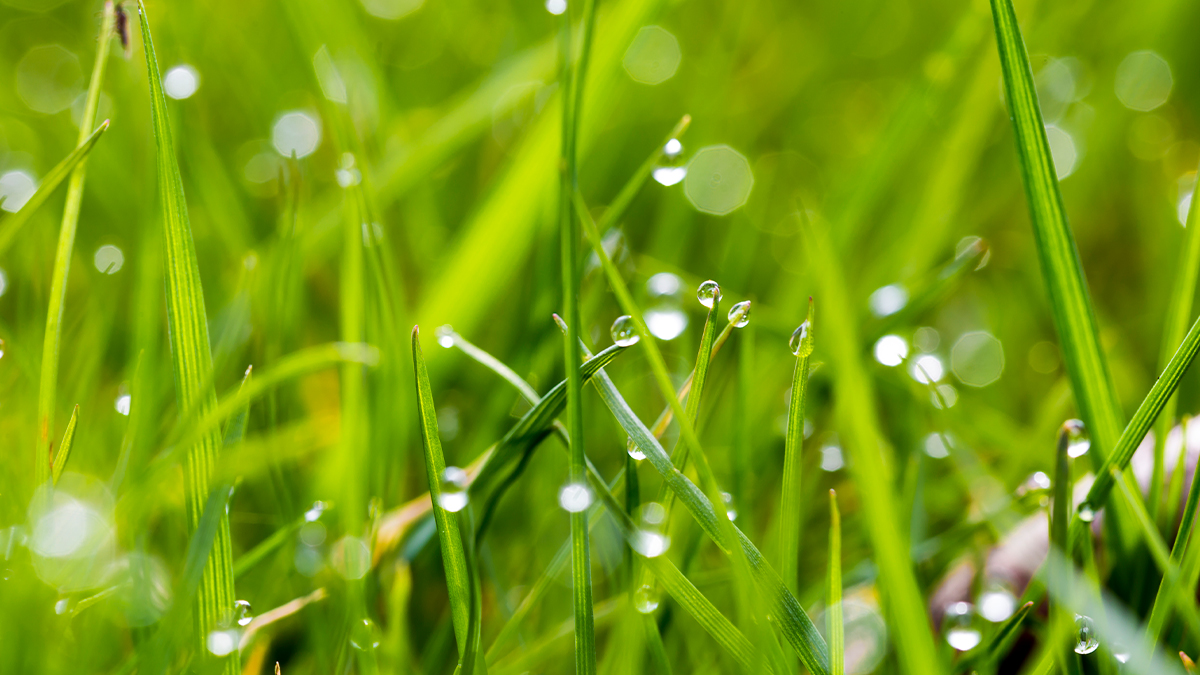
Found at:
[458, 577]
[64, 449]
[624, 198]
[837, 631]
[790, 520]
[190, 356]
[1184, 549]
[1074, 317]
[10, 227]
[48, 383]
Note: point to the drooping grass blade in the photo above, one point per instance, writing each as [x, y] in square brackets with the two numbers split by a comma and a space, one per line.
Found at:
[11, 226]
[64, 448]
[833, 594]
[190, 355]
[1074, 317]
[48, 382]
[454, 561]
[790, 520]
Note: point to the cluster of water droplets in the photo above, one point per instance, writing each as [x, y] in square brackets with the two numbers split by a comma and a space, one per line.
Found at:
[454, 484]
[651, 540]
[671, 170]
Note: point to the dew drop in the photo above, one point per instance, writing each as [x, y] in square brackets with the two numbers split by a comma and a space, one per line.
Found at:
[1086, 641]
[1086, 513]
[454, 489]
[624, 331]
[997, 604]
[961, 632]
[651, 543]
[709, 293]
[673, 148]
[666, 322]
[314, 512]
[364, 635]
[645, 599]
[1077, 440]
[801, 342]
[223, 642]
[634, 451]
[445, 336]
[664, 284]
[730, 511]
[122, 404]
[669, 175]
[575, 497]
[62, 606]
[739, 314]
[241, 613]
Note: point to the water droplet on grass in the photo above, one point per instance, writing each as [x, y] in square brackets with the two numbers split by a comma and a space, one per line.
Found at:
[223, 642]
[1086, 640]
[959, 624]
[454, 489]
[241, 613]
[891, 350]
[575, 497]
[651, 543]
[666, 322]
[314, 512]
[664, 284]
[645, 599]
[181, 82]
[1086, 513]
[108, 259]
[927, 368]
[624, 331]
[634, 451]
[888, 300]
[997, 604]
[673, 148]
[1077, 440]
[364, 635]
[739, 314]
[709, 293]
[445, 336]
[669, 175]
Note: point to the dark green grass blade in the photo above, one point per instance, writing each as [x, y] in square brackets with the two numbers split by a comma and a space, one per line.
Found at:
[1145, 415]
[11, 226]
[48, 382]
[458, 577]
[833, 601]
[1074, 317]
[192, 361]
[790, 520]
[64, 449]
[471, 661]
[1183, 549]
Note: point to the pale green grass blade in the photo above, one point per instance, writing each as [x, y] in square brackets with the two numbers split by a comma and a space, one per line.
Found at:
[190, 356]
[448, 338]
[833, 597]
[1074, 317]
[791, 520]
[11, 226]
[1182, 553]
[48, 382]
[235, 428]
[859, 425]
[1183, 294]
[64, 448]
[458, 577]
[1145, 415]
[248, 560]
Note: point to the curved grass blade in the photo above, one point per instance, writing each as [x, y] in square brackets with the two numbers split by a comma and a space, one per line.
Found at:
[10, 227]
[836, 629]
[790, 520]
[64, 449]
[48, 382]
[235, 429]
[1183, 552]
[190, 356]
[458, 576]
[1074, 317]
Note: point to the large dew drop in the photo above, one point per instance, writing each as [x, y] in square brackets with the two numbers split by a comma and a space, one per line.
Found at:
[961, 631]
[739, 314]
[241, 613]
[624, 331]
[1077, 439]
[364, 635]
[801, 343]
[634, 451]
[575, 497]
[645, 599]
[709, 293]
[454, 489]
[1086, 641]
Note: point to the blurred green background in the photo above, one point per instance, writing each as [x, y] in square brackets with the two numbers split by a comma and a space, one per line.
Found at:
[882, 121]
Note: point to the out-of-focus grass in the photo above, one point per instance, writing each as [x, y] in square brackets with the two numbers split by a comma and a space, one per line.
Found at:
[423, 191]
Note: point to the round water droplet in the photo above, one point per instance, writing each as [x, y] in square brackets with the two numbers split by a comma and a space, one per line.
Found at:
[364, 635]
[314, 512]
[446, 335]
[651, 543]
[669, 175]
[739, 314]
[1086, 640]
[645, 599]
[709, 293]
[62, 606]
[633, 450]
[673, 148]
[997, 604]
[801, 342]
[730, 511]
[241, 613]
[666, 322]
[575, 497]
[1086, 513]
[652, 514]
[454, 489]
[960, 625]
[624, 332]
[1077, 440]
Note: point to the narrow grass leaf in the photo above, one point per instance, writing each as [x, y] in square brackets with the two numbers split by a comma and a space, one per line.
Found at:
[11, 226]
[1183, 553]
[190, 356]
[616, 209]
[64, 448]
[790, 519]
[833, 594]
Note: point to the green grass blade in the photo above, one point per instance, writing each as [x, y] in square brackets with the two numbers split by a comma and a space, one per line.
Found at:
[11, 226]
[1008, 634]
[1145, 415]
[190, 356]
[448, 338]
[235, 429]
[471, 663]
[1175, 327]
[48, 382]
[1184, 549]
[248, 560]
[64, 449]
[1074, 317]
[458, 577]
[833, 601]
[790, 520]
[624, 198]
